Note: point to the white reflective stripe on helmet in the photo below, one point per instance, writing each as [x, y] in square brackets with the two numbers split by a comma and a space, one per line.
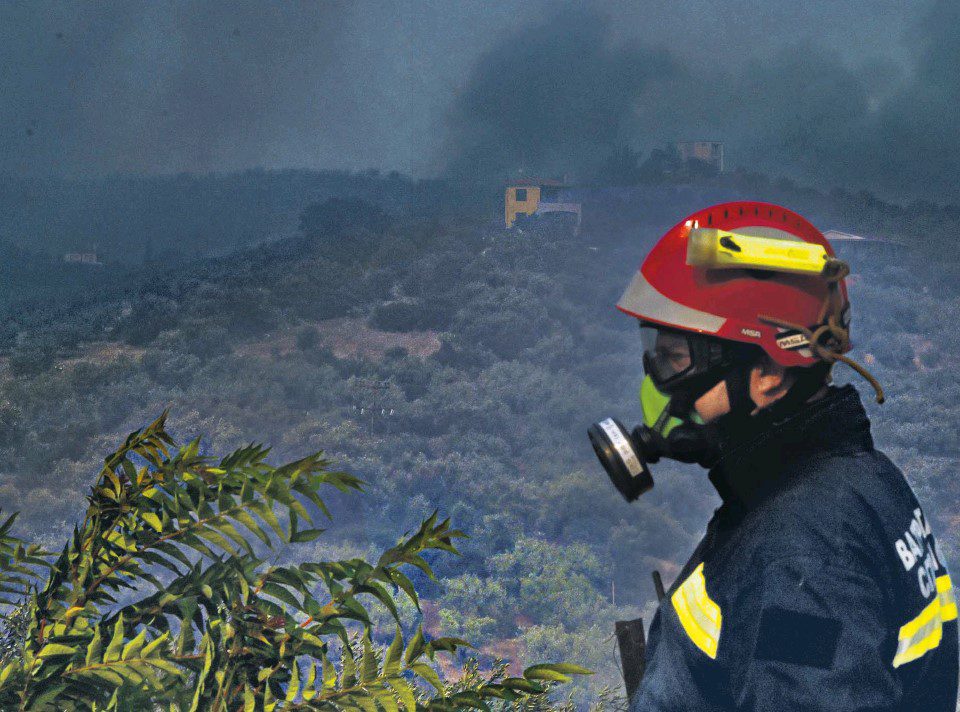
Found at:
[642, 300]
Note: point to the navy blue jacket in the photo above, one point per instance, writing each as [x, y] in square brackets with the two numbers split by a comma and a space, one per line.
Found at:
[818, 584]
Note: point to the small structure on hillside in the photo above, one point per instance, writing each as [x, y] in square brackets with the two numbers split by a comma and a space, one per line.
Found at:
[84, 258]
[709, 152]
[538, 197]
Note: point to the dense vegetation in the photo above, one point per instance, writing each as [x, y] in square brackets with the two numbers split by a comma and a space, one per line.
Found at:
[163, 597]
[135, 219]
[455, 366]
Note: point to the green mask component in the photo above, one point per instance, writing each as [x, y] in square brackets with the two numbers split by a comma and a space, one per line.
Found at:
[655, 405]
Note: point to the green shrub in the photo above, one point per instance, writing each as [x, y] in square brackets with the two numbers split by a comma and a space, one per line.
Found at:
[223, 629]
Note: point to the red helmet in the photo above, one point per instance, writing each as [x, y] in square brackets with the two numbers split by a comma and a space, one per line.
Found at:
[776, 311]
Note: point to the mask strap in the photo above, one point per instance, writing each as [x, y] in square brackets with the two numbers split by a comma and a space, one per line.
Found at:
[811, 380]
[738, 389]
[680, 405]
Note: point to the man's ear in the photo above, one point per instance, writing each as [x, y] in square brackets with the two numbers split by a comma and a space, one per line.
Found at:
[769, 382]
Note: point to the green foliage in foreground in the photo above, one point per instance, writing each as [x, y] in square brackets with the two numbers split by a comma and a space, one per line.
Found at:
[162, 599]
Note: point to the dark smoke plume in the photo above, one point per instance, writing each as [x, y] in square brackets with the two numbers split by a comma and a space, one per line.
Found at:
[860, 94]
[553, 97]
[559, 96]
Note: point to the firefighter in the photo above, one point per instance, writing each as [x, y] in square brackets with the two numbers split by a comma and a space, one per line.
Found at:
[819, 584]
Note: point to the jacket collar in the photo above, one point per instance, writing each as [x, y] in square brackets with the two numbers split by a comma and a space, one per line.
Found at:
[759, 457]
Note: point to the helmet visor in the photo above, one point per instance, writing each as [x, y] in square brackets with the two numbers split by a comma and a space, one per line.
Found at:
[667, 354]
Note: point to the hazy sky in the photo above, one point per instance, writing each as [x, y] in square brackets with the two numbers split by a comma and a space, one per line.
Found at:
[862, 92]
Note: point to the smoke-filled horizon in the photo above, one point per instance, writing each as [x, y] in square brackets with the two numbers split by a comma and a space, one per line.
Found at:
[862, 94]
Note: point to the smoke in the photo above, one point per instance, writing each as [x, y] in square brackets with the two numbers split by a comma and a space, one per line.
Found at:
[160, 87]
[137, 86]
[810, 114]
[561, 95]
[861, 94]
[551, 97]
[912, 139]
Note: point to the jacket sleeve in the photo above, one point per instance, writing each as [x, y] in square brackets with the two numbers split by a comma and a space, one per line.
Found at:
[810, 636]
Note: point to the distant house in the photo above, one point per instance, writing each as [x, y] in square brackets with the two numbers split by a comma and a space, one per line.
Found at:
[85, 258]
[709, 152]
[537, 197]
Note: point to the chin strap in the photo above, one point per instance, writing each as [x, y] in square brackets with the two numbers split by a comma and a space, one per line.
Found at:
[829, 338]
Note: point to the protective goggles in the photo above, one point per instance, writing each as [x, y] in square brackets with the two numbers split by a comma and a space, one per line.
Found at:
[680, 360]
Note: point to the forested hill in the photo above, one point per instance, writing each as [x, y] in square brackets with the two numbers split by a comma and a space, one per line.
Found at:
[455, 365]
[135, 219]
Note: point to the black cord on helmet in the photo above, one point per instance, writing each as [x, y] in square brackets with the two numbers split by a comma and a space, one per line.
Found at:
[828, 339]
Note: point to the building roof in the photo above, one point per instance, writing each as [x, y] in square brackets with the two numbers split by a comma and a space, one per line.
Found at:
[542, 182]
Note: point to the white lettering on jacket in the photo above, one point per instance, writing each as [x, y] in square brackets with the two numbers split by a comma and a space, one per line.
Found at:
[915, 545]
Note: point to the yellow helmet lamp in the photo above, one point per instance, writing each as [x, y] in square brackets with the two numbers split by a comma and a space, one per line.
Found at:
[713, 248]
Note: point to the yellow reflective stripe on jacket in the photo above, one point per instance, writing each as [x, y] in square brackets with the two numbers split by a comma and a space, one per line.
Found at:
[699, 615]
[922, 634]
[947, 596]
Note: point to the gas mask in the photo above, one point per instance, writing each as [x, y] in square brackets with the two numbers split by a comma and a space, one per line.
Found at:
[680, 367]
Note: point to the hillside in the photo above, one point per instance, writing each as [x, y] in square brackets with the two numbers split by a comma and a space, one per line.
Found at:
[139, 219]
[454, 365]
